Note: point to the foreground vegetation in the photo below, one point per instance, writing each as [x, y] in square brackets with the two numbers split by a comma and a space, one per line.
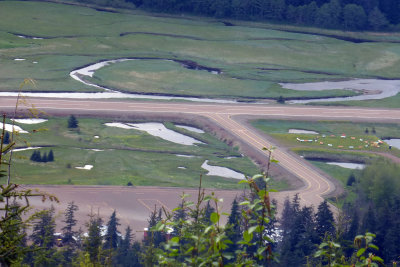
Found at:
[192, 235]
[254, 56]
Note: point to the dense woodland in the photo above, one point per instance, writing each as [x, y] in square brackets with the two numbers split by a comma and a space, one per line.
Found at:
[192, 233]
[333, 14]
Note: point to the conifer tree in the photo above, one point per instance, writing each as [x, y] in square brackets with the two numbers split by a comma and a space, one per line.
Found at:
[369, 222]
[92, 244]
[70, 223]
[129, 254]
[111, 239]
[207, 214]
[179, 216]
[44, 158]
[43, 239]
[72, 122]
[44, 229]
[351, 180]
[324, 220]
[68, 240]
[6, 138]
[50, 157]
[233, 225]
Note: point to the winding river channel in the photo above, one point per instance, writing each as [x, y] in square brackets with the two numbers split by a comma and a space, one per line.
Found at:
[370, 88]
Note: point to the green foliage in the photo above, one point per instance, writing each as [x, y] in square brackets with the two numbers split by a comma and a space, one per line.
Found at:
[14, 207]
[72, 122]
[70, 223]
[281, 100]
[111, 239]
[92, 244]
[351, 180]
[197, 243]
[324, 220]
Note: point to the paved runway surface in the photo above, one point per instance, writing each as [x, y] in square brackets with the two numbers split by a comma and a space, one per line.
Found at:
[316, 185]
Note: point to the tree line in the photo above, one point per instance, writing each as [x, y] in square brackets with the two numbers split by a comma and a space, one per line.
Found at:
[192, 233]
[334, 14]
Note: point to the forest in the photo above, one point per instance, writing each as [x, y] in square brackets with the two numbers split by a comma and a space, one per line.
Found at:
[354, 15]
[365, 231]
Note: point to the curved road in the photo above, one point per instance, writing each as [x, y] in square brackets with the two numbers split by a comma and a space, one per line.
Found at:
[315, 184]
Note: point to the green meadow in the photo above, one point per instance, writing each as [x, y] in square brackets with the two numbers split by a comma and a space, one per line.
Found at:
[253, 57]
[329, 145]
[120, 156]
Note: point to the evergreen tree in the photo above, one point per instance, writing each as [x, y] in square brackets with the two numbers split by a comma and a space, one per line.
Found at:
[351, 180]
[301, 239]
[354, 17]
[92, 243]
[111, 239]
[281, 100]
[329, 15]
[287, 218]
[68, 240]
[129, 254]
[354, 225]
[234, 232]
[50, 157]
[207, 214]
[377, 20]
[70, 223]
[369, 222]
[44, 229]
[6, 138]
[324, 220]
[72, 122]
[44, 158]
[36, 157]
[179, 216]
[43, 239]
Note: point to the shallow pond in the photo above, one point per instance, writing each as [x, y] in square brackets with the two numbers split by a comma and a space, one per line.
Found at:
[374, 89]
[29, 121]
[190, 128]
[222, 171]
[10, 128]
[159, 130]
[298, 131]
[393, 142]
[348, 165]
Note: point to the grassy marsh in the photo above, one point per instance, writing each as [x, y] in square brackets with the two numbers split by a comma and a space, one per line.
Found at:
[252, 57]
[120, 156]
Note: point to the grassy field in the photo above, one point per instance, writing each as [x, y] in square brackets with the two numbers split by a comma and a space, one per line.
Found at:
[120, 156]
[348, 149]
[253, 58]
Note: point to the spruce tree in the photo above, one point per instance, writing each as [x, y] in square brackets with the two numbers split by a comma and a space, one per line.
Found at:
[72, 122]
[44, 158]
[70, 222]
[6, 138]
[369, 222]
[111, 239]
[50, 157]
[207, 214]
[351, 180]
[44, 229]
[43, 239]
[92, 244]
[179, 216]
[129, 254]
[233, 227]
[68, 233]
[324, 220]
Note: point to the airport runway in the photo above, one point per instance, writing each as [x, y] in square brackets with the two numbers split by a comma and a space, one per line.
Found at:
[316, 185]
